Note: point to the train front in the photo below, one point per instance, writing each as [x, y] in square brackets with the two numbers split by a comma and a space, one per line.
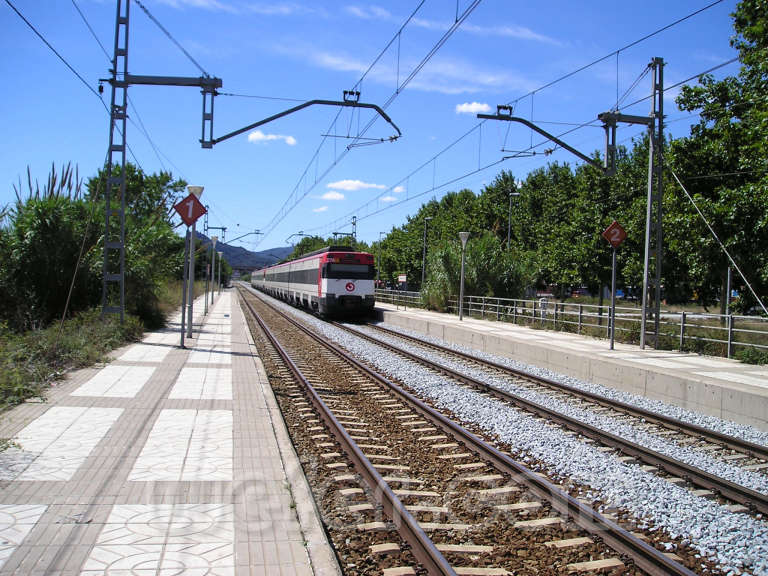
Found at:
[347, 284]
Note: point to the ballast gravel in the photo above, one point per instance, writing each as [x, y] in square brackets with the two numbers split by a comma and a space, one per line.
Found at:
[627, 431]
[735, 541]
[743, 431]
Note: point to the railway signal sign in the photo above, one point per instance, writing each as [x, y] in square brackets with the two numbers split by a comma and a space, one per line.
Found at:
[615, 234]
[190, 209]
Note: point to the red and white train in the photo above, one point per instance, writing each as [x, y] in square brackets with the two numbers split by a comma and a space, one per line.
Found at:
[334, 280]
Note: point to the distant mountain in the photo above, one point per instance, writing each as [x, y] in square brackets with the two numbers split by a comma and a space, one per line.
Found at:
[241, 259]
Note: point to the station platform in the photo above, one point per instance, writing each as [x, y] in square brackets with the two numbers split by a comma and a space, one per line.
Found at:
[164, 461]
[720, 387]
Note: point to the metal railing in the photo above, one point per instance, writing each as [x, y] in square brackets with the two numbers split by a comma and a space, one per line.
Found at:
[399, 298]
[714, 334]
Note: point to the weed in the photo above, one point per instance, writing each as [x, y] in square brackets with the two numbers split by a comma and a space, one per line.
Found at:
[31, 361]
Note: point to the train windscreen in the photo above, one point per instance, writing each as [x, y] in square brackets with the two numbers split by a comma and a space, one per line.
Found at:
[349, 271]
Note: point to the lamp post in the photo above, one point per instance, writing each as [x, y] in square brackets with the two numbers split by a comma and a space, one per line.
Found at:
[378, 267]
[424, 252]
[214, 239]
[463, 236]
[509, 218]
[197, 191]
[220, 255]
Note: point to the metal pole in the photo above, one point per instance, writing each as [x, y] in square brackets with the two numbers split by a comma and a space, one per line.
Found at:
[424, 252]
[728, 292]
[463, 236]
[197, 191]
[207, 272]
[659, 256]
[682, 331]
[613, 297]
[191, 280]
[378, 267]
[509, 222]
[461, 287]
[213, 273]
[648, 215]
[184, 285]
[220, 254]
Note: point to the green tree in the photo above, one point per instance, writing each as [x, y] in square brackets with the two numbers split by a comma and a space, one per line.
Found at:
[724, 162]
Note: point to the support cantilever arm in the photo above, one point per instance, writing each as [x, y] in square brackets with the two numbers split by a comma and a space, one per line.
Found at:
[350, 103]
[544, 133]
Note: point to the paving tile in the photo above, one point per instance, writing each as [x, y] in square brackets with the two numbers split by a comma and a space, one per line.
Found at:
[53, 446]
[16, 521]
[116, 381]
[209, 383]
[187, 445]
[148, 351]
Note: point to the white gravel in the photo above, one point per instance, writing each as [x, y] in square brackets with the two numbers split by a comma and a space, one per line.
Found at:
[628, 431]
[743, 431]
[734, 541]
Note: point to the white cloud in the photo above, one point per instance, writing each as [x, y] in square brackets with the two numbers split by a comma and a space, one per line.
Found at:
[340, 63]
[388, 199]
[354, 185]
[519, 32]
[259, 136]
[332, 195]
[321, 209]
[371, 12]
[472, 108]
[204, 4]
[279, 9]
[398, 189]
[454, 75]
[505, 31]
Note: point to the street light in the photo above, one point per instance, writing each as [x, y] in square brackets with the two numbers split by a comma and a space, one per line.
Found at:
[424, 252]
[220, 255]
[198, 192]
[463, 236]
[509, 218]
[378, 267]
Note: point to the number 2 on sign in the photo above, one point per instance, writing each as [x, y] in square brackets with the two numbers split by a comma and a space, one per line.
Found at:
[616, 235]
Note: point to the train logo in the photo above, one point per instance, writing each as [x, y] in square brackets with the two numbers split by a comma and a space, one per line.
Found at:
[350, 286]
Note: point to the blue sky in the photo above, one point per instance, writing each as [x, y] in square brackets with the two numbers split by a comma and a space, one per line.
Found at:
[287, 177]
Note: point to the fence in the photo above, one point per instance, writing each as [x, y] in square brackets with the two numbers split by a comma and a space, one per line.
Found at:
[714, 334]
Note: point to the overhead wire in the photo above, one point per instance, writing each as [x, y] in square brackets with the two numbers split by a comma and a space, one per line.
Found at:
[70, 67]
[549, 84]
[171, 38]
[140, 126]
[56, 52]
[690, 78]
[520, 153]
[720, 243]
[294, 198]
[259, 97]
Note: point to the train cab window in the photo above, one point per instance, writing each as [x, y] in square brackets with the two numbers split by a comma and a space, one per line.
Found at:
[349, 271]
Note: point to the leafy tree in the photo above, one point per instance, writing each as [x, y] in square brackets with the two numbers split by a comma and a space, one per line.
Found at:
[724, 163]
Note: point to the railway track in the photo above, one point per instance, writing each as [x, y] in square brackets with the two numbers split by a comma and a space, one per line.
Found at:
[482, 510]
[743, 496]
[697, 433]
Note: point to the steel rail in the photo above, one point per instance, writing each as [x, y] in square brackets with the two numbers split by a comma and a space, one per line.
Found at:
[422, 547]
[731, 442]
[646, 557]
[730, 490]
